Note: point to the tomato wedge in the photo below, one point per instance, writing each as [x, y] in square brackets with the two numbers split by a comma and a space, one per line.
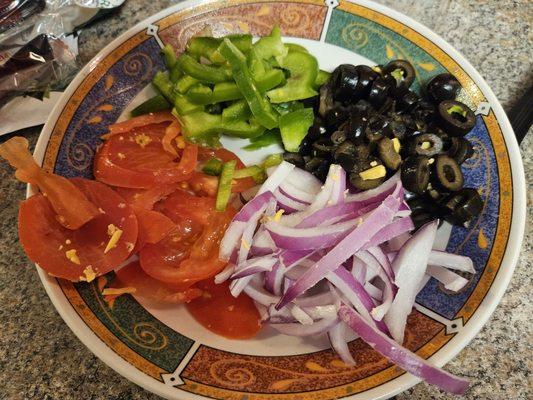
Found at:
[79, 255]
[153, 226]
[142, 120]
[223, 314]
[190, 252]
[132, 276]
[137, 159]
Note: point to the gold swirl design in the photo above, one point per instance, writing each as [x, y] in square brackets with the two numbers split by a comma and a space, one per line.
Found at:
[80, 155]
[135, 63]
[354, 34]
[292, 17]
[150, 335]
[235, 376]
[145, 335]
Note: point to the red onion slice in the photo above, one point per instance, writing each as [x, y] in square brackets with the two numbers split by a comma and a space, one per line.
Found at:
[296, 193]
[304, 180]
[451, 261]
[394, 229]
[278, 175]
[224, 275]
[255, 266]
[449, 279]
[337, 338]
[313, 329]
[409, 268]
[375, 221]
[378, 194]
[401, 356]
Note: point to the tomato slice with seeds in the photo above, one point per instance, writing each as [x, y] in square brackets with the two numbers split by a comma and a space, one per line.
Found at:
[223, 314]
[190, 252]
[78, 254]
[147, 287]
[137, 159]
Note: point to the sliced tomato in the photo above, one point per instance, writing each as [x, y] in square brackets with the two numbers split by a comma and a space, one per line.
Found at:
[153, 226]
[142, 120]
[190, 252]
[137, 159]
[132, 276]
[146, 198]
[203, 184]
[79, 254]
[223, 314]
[70, 205]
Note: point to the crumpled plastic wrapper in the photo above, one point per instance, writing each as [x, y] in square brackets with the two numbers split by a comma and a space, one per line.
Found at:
[38, 43]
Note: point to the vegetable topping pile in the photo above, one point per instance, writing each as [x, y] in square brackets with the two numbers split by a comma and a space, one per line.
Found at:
[333, 236]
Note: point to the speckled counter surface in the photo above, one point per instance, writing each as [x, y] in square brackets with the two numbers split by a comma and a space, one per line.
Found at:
[40, 358]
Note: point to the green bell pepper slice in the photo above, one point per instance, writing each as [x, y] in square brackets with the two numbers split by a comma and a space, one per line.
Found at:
[255, 172]
[212, 167]
[294, 126]
[293, 47]
[199, 126]
[185, 83]
[227, 91]
[184, 106]
[266, 139]
[261, 108]
[238, 111]
[202, 72]
[169, 55]
[271, 46]
[321, 78]
[224, 185]
[162, 83]
[153, 104]
[303, 69]
[207, 46]
[272, 160]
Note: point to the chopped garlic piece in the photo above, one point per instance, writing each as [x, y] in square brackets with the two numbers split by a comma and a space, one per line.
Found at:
[431, 160]
[373, 163]
[425, 145]
[129, 246]
[122, 156]
[121, 205]
[278, 215]
[245, 244]
[68, 241]
[396, 144]
[118, 291]
[72, 256]
[115, 234]
[376, 172]
[142, 140]
[180, 142]
[88, 274]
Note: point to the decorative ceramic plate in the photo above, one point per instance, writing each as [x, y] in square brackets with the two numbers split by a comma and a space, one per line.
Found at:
[163, 349]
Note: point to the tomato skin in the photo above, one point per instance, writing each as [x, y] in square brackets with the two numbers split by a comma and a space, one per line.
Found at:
[223, 314]
[153, 226]
[141, 120]
[46, 242]
[137, 159]
[147, 287]
[190, 252]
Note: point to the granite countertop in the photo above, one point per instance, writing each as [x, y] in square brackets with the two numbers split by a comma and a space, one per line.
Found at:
[40, 358]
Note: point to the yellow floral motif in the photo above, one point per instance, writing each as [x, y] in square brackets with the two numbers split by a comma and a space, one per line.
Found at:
[282, 384]
[313, 366]
[427, 66]
[389, 51]
[482, 240]
[105, 107]
[95, 120]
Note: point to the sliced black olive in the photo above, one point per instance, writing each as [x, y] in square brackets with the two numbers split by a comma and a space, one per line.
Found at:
[338, 137]
[424, 111]
[322, 171]
[377, 128]
[388, 106]
[345, 79]
[448, 174]
[326, 99]
[436, 194]
[403, 73]
[456, 118]
[388, 154]
[322, 147]
[362, 184]
[366, 76]
[424, 210]
[312, 164]
[362, 152]
[336, 116]
[312, 102]
[362, 109]
[380, 90]
[397, 127]
[460, 149]
[443, 87]
[426, 144]
[415, 174]
[345, 155]
[462, 207]
[318, 129]
[305, 148]
[355, 128]
[407, 101]
[294, 158]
